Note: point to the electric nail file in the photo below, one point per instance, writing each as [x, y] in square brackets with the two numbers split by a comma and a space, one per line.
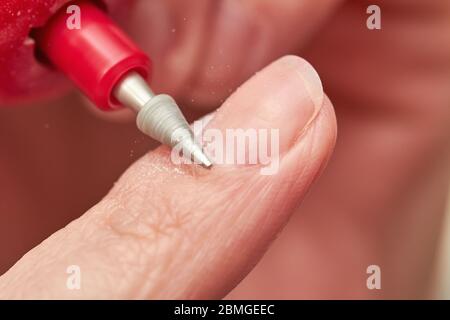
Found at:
[110, 69]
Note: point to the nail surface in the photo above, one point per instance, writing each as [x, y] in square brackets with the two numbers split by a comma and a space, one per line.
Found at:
[285, 96]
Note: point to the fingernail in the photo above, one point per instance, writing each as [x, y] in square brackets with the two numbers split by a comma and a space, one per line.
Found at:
[285, 96]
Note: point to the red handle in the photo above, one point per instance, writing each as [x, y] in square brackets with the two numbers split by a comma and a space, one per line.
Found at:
[95, 56]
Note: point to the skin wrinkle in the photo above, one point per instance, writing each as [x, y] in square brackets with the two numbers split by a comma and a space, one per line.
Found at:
[265, 222]
[209, 262]
[163, 223]
[185, 252]
[255, 236]
[167, 263]
[130, 252]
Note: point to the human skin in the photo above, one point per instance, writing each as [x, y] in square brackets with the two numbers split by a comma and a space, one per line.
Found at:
[162, 234]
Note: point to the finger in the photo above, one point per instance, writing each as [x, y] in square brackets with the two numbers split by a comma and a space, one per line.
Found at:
[167, 231]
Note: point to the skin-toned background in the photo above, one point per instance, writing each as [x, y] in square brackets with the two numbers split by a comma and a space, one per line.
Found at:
[442, 277]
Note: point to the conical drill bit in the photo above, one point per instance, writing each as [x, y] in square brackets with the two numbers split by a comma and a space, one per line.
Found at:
[159, 117]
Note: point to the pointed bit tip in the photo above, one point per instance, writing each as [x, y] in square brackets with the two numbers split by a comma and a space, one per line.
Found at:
[201, 158]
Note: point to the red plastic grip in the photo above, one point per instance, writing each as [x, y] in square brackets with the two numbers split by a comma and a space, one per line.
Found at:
[95, 56]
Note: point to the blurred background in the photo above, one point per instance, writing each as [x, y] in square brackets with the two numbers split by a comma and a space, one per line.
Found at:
[442, 281]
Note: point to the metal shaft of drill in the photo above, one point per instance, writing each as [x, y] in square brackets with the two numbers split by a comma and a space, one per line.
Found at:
[159, 117]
